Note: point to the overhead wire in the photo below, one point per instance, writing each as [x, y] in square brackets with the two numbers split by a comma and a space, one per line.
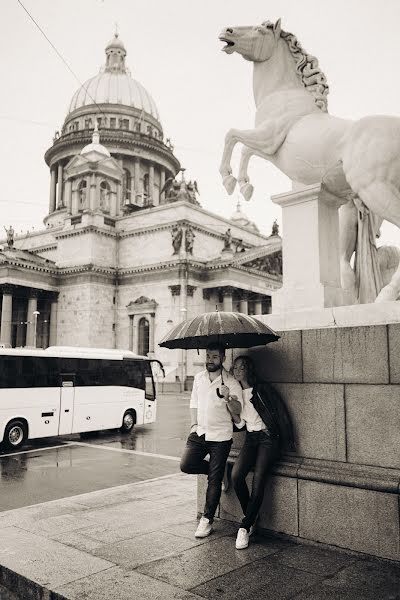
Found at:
[60, 56]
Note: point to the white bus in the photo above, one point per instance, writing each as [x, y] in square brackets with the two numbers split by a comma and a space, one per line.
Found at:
[64, 390]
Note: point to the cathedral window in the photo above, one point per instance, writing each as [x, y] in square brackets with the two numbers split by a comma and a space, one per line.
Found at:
[105, 196]
[113, 122]
[82, 191]
[127, 186]
[124, 123]
[88, 123]
[143, 336]
[99, 122]
[137, 126]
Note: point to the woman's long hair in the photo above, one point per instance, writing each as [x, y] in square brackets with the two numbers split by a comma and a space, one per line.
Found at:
[250, 369]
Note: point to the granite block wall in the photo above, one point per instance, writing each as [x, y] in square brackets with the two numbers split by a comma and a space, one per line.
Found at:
[342, 390]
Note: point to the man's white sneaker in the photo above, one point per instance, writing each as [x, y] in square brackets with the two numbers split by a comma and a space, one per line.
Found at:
[242, 539]
[204, 528]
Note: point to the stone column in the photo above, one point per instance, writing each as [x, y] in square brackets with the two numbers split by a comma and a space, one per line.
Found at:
[311, 273]
[132, 334]
[93, 192]
[162, 183]
[258, 306]
[244, 304]
[227, 298]
[53, 184]
[53, 321]
[119, 199]
[68, 195]
[151, 184]
[75, 200]
[113, 203]
[60, 186]
[138, 183]
[151, 332]
[31, 328]
[6, 316]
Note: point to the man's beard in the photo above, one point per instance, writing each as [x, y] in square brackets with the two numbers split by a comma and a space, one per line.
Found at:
[211, 368]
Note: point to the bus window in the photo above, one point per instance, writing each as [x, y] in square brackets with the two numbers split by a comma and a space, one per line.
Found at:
[150, 392]
[8, 371]
[114, 373]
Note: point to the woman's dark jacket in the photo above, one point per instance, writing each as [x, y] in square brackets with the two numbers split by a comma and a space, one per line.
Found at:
[272, 410]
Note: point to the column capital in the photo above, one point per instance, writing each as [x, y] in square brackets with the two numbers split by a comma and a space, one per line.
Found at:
[190, 289]
[53, 296]
[33, 293]
[245, 294]
[175, 290]
[8, 289]
[227, 290]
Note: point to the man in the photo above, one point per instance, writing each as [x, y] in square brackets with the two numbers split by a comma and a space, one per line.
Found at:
[216, 396]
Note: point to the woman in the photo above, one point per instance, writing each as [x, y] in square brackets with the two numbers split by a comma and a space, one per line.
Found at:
[268, 432]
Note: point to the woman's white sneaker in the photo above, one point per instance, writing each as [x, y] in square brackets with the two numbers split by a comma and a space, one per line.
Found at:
[204, 528]
[242, 539]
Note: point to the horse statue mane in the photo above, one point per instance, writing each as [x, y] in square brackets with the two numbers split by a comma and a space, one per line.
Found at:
[307, 68]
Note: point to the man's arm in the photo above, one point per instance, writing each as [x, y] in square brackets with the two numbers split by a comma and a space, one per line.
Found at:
[193, 419]
[193, 407]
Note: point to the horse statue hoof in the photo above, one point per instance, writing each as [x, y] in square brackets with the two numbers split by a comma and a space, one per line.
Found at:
[247, 191]
[229, 183]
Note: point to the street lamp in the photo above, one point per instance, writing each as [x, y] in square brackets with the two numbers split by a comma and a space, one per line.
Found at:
[35, 313]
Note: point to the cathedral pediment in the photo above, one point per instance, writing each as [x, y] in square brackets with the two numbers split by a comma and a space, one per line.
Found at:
[80, 165]
[271, 263]
[267, 259]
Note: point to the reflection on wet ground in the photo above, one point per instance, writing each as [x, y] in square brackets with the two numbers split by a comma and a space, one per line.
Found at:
[56, 468]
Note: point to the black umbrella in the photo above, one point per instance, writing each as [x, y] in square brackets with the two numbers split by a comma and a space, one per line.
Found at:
[228, 329]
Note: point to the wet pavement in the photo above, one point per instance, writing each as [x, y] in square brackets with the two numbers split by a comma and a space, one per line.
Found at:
[60, 467]
[137, 541]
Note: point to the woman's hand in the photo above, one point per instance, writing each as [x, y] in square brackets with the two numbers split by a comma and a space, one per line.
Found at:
[225, 392]
[233, 405]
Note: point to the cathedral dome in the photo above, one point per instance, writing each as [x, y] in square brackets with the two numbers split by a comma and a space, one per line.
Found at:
[239, 218]
[114, 85]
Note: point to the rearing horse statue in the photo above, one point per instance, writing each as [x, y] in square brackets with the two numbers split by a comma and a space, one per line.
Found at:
[355, 160]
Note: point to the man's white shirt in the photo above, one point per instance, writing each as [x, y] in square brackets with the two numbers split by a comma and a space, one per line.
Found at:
[213, 417]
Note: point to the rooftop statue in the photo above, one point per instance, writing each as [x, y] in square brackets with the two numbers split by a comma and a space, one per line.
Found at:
[10, 236]
[357, 161]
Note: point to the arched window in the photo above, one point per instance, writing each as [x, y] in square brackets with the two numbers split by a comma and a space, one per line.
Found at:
[127, 185]
[82, 189]
[105, 197]
[143, 336]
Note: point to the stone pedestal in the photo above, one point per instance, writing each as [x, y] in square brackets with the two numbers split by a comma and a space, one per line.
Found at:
[341, 386]
[311, 272]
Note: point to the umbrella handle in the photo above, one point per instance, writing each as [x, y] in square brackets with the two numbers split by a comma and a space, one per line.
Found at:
[223, 383]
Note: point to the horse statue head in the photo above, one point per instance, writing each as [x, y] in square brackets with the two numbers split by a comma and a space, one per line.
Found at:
[256, 44]
[268, 43]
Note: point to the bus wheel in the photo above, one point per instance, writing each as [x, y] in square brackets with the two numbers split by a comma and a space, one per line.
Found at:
[128, 421]
[15, 435]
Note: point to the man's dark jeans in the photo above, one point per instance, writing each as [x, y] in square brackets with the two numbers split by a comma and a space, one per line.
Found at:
[259, 452]
[192, 462]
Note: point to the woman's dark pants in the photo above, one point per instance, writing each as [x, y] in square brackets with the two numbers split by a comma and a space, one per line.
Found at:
[192, 462]
[259, 452]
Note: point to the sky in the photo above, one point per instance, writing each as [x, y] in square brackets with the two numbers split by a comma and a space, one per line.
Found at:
[174, 51]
